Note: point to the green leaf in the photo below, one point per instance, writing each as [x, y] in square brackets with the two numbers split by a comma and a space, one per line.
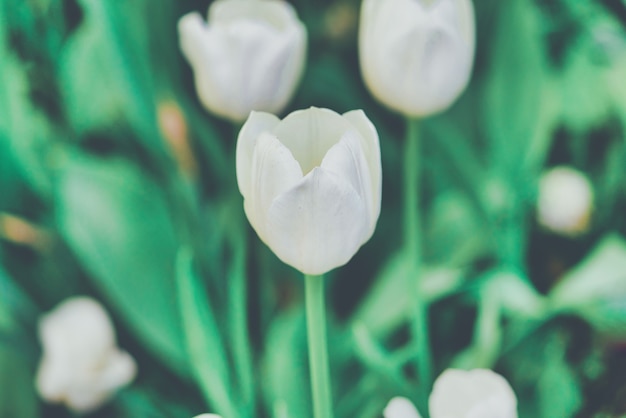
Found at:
[25, 130]
[559, 391]
[388, 303]
[515, 93]
[203, 339]
[105, 75]
[286, 384]
[17, 397]
[119, 225]
[596, 289]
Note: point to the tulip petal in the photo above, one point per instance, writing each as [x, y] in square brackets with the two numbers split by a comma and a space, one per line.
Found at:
[400, 407]
[347, 160]
[317, 225]
[310, 133]
[191, 29]
[274, 171]
[371, 149]
[476, 393]
[278, 13]
[257, 123]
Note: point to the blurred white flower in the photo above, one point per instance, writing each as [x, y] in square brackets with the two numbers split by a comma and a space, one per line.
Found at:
[479, 393]
[207, 416]
[400, 407]
[565, 201]
[311, 184]
[416, 55]
[249, 56]
[81, 366]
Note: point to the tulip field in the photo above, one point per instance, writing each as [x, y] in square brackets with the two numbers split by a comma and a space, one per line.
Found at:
[313, 209]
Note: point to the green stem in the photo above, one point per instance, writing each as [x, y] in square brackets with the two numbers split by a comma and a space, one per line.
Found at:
[318, 352]
[239, 299]
[413, 248]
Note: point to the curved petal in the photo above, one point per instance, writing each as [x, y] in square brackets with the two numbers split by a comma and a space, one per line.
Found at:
[283, 73]
[120, 370]
[274, 171]
[347, 160]
[400, 407]
[257, 123]
[191, 32]
[310, 133]
[280, 14]
[371, 148]
[463, 394]
[317, 225]
[273, 80]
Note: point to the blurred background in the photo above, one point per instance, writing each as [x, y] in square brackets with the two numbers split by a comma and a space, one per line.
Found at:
[109, 165]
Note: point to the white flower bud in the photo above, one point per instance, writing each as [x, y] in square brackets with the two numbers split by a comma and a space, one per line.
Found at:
[311, 184]
[400, 407]
[81, 366]
[565, 201]
[249, 56]
[416, 55]
[479, 393]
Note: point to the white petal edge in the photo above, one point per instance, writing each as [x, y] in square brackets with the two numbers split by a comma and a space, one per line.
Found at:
[347, 160]
[317, 225]
[310, 133]
[371, 149]
[457, 392]
[274, 171]
[279, 13]
[400, 407]
[256, 123]
[191, 32]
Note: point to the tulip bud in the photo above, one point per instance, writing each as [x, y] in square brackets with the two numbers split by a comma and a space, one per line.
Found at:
[479, 393]
[565, 201]
[416, 55]
[311, 184]
[400, 407]
[81, 365]
[249, 56]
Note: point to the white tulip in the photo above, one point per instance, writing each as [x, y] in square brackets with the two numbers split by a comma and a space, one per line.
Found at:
[565, 201]
[416, 55]
[400, 407]
[478, 393]
[81, 365]
[249, 56]
[311, 184]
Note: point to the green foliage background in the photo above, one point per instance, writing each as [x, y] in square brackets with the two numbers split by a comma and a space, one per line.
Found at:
[117, 217]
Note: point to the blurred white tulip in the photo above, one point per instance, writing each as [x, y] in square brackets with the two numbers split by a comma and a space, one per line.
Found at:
[81, 366]
[249, 56]
[416, 55]
[479, 393]
[400, 407]
[565, 201]
[311, 184]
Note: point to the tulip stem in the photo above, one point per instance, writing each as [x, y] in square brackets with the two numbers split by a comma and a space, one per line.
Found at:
[318, 350]
[413, 234]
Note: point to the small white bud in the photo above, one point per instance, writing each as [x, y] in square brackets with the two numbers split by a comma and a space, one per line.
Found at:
[565, 201]
[81, 365]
